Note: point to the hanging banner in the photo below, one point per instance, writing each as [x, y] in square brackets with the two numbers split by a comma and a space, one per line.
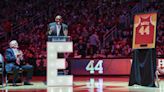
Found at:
[144, 31]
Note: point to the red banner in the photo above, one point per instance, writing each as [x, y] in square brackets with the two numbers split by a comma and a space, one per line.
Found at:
[144, 31]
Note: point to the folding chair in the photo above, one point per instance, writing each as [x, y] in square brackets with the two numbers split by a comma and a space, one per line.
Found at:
[9, 76]
[2, 71]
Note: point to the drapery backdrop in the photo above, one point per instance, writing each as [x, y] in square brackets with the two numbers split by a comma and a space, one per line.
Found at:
[143, 67]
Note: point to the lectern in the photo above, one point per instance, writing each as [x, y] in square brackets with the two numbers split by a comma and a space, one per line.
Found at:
[58, 44]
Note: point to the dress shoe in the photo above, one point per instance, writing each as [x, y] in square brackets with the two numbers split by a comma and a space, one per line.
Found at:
[15, 84]
[27, 83]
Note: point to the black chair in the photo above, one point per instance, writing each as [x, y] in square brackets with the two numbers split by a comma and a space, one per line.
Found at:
[2, 72]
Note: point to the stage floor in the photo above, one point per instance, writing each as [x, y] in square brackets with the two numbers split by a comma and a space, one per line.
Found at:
[86, 84]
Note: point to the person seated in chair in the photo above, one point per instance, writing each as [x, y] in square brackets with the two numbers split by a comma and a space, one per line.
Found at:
[14, 59]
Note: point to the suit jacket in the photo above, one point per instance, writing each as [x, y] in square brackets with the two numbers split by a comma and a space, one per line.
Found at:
[64, 27]
[10, 56]
[10, 59]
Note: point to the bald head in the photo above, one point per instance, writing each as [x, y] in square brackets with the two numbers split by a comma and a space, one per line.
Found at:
[58, 19]
[13, 44]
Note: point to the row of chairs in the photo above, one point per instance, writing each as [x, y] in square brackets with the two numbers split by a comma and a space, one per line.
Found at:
[7, 76]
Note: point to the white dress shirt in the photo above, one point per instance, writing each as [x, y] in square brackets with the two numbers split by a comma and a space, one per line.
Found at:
[16, 52]
[58, 27]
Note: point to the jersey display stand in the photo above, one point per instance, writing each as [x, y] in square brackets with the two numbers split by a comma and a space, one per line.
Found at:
[144, 52]
[143, 67]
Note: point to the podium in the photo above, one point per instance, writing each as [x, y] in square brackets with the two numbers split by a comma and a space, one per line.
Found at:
[55, 45]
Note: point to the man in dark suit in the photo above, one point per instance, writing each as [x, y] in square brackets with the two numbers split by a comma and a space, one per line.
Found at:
[14, 58]
[57, 28]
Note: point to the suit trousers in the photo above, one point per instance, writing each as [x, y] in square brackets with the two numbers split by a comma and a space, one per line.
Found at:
[15, 69]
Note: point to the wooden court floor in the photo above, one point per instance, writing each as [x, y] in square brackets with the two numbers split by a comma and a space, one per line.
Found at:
[86, 84]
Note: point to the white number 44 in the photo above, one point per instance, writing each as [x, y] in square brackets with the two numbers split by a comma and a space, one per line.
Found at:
[98, 67]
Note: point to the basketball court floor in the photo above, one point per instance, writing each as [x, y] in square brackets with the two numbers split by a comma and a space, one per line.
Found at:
[86, 84]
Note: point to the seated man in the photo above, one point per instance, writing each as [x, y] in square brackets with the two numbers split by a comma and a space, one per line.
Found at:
[14, 58]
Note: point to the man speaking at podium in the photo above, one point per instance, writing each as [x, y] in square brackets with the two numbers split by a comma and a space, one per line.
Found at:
[58, 31]
[57, 28]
